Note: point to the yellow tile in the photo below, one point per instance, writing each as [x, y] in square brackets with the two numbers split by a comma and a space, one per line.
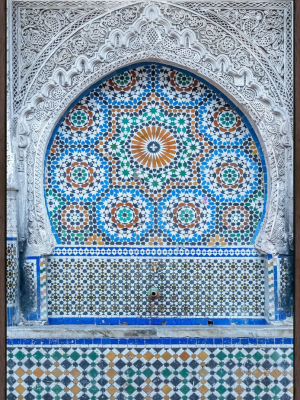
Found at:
[166, 389]
[111, 356]
[75, 373]
[129, 356]
[20, 389]
[148, 356]
[111, 373]
[19, 380]
[203, 389]
[203, 372]
[112, 390]
[257, 373]
[38, 372]
[166, 356]
[184, 356]
[148, 389]
[75, 389]
[57, 372]
[239, 373]
[202, 355]
[239, 389]
[19, 371]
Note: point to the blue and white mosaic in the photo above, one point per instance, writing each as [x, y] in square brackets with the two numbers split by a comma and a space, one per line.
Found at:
[153, 156]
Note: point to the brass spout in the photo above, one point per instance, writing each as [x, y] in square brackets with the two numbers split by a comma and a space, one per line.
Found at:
[152, 294]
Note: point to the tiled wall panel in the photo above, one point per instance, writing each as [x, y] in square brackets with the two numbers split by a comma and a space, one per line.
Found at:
[155, 371]
[190, 288]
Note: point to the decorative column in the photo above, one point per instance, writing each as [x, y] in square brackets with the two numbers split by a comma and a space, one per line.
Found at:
[12, 251]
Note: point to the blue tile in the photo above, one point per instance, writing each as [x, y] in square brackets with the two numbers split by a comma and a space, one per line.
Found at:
[252, 341]
[261, 341]
[183, 341]
[218, 341]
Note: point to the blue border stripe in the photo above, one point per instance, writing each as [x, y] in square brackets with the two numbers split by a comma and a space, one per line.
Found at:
[156, 341]
[155, 321]
[11, 238]
[166, 252]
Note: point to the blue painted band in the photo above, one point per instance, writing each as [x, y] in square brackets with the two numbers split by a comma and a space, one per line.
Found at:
[156, 341]
[155, 321]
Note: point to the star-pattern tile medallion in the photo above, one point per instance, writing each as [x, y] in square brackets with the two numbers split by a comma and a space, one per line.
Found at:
[152, 156]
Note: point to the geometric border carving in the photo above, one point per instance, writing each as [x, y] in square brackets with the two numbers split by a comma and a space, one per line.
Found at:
[243, 48]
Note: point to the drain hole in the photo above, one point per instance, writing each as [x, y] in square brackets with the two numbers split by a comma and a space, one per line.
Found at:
[209, 322]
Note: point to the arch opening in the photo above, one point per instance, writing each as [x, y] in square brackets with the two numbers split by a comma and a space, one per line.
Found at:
[155, 180]
[158, 163]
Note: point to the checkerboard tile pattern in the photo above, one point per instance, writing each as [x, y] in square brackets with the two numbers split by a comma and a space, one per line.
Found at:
[111, 287]
[11, 272]
[149, 372]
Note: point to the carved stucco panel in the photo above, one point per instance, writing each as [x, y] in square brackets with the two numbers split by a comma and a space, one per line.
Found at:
[205, 41]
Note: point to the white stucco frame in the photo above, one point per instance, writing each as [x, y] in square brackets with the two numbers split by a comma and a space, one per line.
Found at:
[210, 39]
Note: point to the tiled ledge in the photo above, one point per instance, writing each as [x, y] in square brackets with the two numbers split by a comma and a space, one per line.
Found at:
[93, 332]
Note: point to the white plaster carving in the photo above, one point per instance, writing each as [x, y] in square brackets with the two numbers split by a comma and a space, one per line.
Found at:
[11, 214]
[243, 48]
